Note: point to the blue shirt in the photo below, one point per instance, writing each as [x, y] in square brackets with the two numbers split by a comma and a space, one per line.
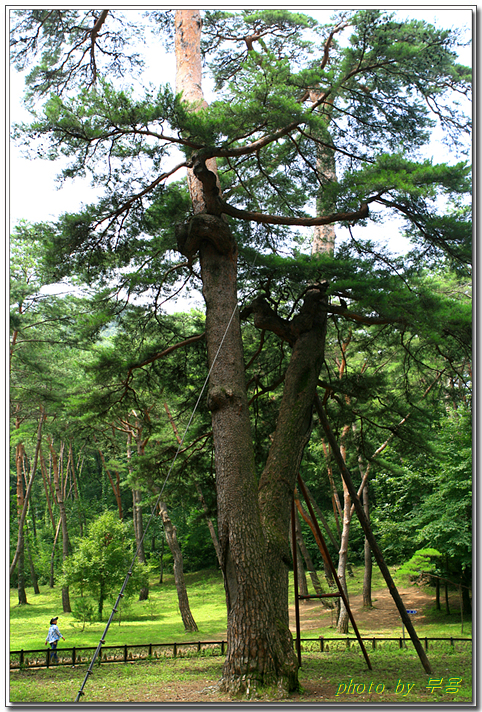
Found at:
[54, 634]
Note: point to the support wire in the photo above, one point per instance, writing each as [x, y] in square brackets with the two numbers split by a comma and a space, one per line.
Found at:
[129, 573]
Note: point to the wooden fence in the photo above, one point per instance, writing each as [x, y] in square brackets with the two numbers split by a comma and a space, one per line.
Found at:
[21, 659]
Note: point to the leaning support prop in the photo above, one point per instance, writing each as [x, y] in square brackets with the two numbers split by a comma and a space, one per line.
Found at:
[370, 538]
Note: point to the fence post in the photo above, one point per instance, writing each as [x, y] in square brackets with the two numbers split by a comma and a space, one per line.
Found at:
[73, 657]
[400, 643]
[199, 646]
[150, 650]
[21, 657]
[222, 647]
[322, 644]
[174, 650]
[426, 643]
[125, 653]
[452, 642]
[374, 643]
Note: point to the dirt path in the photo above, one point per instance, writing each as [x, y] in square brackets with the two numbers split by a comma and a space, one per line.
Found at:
[382, 618]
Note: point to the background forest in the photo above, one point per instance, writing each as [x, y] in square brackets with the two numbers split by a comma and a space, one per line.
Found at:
[306, 120]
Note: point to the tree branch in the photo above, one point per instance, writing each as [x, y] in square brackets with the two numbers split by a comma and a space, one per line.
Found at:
[281, 220]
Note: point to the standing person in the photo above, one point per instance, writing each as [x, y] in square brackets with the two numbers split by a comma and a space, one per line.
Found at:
[53, 637]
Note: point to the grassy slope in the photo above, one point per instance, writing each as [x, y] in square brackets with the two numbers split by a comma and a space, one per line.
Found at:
[158, 620]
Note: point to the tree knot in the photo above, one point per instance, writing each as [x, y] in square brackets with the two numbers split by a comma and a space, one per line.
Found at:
[204, 226]
[218, 397]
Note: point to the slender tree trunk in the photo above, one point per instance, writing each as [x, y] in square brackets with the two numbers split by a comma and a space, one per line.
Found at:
[437, 594]
[76, 489]
[63, 519]
[47, 486]
[171, 536]
[343, 618]
[377, 553]
[139, 532]
[33, 573]
[336, 544]
[302, 582]
[115, 487]
[26, 497]
[52, 556]
[367, 575]
[161, 559]
[136, 431]
[22, 594]
[309, 565]
[212, 531]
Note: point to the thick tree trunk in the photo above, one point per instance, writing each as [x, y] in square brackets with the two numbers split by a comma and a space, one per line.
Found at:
[255, 655]
[170, 529]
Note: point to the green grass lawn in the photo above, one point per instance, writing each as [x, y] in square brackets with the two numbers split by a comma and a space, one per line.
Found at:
[324, 676]
[340, 677]
[158, 620]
